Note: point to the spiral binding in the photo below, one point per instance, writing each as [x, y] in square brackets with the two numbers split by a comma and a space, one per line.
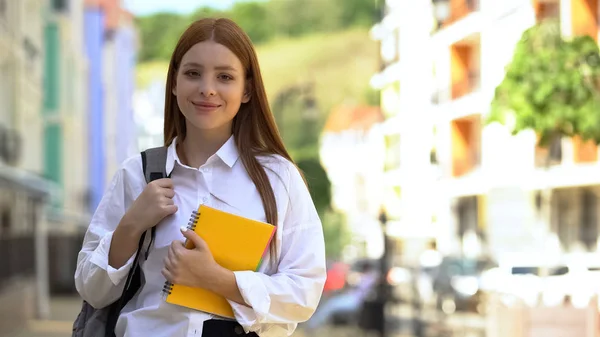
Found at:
[168, 286]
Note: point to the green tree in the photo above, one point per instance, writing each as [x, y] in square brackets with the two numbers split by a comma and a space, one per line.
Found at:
[337, 236]
[551, 87]
[262, 20]
[254, 18]
[363, 13]
[159, 34]
[318, 183]
[301, 17]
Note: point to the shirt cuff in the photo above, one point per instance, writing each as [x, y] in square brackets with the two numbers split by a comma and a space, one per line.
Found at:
[255, 294]
[100, 258]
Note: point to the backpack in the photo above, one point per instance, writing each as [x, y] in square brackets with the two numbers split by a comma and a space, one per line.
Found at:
[91, 322]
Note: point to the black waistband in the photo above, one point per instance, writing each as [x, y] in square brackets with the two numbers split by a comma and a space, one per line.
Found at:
[223, 328]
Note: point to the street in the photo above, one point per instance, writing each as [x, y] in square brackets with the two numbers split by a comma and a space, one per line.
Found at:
[65, 309]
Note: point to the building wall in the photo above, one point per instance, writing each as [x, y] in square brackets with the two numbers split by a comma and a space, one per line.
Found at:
[94, 36]
[74, 79]
[119, 75]
[505, 175]
[126, 136]
[353, 160]
[111, 88]
[475, 159]
[28, 81]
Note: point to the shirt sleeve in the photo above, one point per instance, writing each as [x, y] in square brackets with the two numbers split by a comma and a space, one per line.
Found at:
[277, 303]
[96, 281]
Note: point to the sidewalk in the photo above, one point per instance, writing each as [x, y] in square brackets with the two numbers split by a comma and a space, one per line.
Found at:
[63, 311]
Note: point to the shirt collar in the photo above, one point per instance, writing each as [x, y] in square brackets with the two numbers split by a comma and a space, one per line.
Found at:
[228, 153]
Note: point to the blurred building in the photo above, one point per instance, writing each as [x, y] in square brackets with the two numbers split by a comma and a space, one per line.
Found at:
[23, 193]
[111, 45]
[60, 62]
[65, 112]
[488, 184]
[411, 167]
[352, 152]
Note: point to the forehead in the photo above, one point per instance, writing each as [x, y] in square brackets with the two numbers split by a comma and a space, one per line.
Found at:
[209, 54]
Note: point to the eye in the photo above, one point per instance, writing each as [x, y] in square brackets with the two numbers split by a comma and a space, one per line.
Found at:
[225, 77]
[192, 73]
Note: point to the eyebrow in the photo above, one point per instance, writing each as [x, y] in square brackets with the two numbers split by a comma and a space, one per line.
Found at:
[221, 67]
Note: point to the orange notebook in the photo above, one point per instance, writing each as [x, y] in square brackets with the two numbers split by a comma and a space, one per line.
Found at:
[237, 243]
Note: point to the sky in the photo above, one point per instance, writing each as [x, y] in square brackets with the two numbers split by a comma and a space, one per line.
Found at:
[144, 7]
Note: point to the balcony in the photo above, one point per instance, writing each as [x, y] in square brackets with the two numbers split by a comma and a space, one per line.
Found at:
[466, 85]
[546, 10]
[584, 17]
[465, 163]
[460, 88]
[466, 149]
[460, 9]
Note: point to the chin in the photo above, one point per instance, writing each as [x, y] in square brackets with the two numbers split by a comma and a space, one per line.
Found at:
[207, 125]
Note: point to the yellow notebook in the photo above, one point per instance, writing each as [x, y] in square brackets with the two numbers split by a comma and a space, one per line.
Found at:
[237, 243]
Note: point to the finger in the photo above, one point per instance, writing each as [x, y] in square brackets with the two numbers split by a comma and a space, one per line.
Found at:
[194, 238]
[168, 192]
[164, 182]
[167, 274]
[167, 201]
[170, 209]
[169, 264]
[173, 253]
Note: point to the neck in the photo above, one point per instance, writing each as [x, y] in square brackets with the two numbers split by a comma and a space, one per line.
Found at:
[199, 145]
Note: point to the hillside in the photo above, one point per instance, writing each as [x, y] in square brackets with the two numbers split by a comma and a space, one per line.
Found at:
[340, 65]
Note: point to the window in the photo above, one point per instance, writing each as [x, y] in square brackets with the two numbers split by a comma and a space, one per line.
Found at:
[3, 9]
[525, 270]
[60, 5]
[588, 230]
[5, 222]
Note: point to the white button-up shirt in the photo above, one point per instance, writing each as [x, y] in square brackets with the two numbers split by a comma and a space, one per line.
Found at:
[280, 294]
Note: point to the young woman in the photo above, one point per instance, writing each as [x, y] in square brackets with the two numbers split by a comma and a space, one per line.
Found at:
[224, 151]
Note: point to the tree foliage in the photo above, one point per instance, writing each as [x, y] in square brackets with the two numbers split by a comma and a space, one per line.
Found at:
[262, 20]
[551, 86]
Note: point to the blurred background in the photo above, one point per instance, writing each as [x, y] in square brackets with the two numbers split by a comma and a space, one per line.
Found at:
[451, 148]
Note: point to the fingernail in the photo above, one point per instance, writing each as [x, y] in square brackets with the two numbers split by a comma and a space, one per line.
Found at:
[183, 228]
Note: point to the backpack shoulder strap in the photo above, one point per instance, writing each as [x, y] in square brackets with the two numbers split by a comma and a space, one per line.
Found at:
[154, 161]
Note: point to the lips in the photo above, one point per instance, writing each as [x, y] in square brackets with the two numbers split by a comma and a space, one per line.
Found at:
[206, 105]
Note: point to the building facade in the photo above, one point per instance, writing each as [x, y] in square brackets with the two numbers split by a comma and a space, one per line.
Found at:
[352, 152]
[487, 185]
[111, 47]
[23, 193]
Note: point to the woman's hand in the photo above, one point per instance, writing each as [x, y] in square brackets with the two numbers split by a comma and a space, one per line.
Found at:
[198, 269]
[191, 267]
[151, 206]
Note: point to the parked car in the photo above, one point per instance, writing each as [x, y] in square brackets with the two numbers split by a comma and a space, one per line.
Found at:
[457, 284]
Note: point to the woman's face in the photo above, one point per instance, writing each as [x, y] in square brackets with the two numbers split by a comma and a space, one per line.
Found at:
[210, 87]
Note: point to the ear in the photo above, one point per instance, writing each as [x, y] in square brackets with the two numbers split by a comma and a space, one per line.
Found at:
[174, 89]
[247, 92]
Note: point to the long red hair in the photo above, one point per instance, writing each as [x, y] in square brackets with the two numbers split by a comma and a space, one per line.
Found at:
[254, 126]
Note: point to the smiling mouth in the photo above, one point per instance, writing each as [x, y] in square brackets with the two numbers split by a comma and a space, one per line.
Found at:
[204, 105]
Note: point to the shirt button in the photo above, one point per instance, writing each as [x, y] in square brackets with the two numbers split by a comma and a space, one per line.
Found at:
[204, 200]
[238, 330]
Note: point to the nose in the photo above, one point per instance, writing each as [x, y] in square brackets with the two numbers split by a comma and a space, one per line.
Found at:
[207, 87]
